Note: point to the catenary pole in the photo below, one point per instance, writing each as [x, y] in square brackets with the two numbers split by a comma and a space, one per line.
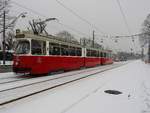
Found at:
[93, 37]
[149, 51]
[4, 44]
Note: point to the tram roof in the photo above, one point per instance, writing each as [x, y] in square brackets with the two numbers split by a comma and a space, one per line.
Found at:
[53, 39]
[49, 38]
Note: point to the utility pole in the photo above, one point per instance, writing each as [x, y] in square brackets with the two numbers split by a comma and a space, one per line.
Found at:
[4, 32]
[93, 37]
[142, 52]
[4, 44]
[149, 52]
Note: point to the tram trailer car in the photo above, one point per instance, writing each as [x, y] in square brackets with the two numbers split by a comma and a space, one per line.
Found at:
[106, 57]
[37, 54]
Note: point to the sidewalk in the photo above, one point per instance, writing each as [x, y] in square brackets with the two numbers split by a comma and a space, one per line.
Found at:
[5, 68]
[88, 95]
[133, 80]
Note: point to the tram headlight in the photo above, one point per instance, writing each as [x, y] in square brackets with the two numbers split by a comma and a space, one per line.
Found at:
[16, 63]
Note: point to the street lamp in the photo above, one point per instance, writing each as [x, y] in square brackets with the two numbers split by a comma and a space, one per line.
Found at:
[6, 27]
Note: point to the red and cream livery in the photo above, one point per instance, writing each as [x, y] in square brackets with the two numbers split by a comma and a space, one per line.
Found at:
[36, 54]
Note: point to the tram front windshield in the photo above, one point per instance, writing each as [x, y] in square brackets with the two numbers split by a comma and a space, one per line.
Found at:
[22, 47]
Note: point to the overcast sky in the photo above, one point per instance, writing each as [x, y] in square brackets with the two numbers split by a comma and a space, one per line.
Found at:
[104, 14]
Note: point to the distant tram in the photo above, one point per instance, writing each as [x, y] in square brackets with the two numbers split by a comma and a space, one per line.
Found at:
[36, 54]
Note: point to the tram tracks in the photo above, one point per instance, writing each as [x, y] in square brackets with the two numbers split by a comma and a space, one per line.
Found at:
[11, 94]
[20, 79]
[12, 79]
[34, 80]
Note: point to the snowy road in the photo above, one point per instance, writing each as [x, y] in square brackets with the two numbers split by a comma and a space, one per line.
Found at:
[28, 87]
[87, 95]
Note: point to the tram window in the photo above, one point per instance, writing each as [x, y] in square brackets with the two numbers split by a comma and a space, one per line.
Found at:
[38, 47]
[101, 54]
[50, 49]
[72, 51]
[55, 49]
[78, 51]
[97, 53]
[110, 55]
[104, 55]
[88, 53]
[64, 50]
[93, 53]
[22, 47]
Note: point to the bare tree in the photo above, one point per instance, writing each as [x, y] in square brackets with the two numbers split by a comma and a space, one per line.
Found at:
[9, 21]
[145, 37]
[89, 43]
[5, 6]
[66, 36]
[9, 40]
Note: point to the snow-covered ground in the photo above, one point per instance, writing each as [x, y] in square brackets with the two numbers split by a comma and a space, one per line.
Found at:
[88, 96]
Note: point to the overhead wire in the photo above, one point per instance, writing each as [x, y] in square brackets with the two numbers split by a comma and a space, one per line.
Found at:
[126, 23]
[78, 16]
[39, 14]
[124, 17]
[67, 26]
[73, 29]
[29, 9]
[35, 12]
[81, 18]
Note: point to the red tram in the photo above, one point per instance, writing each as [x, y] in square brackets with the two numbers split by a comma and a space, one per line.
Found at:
[36, 54]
